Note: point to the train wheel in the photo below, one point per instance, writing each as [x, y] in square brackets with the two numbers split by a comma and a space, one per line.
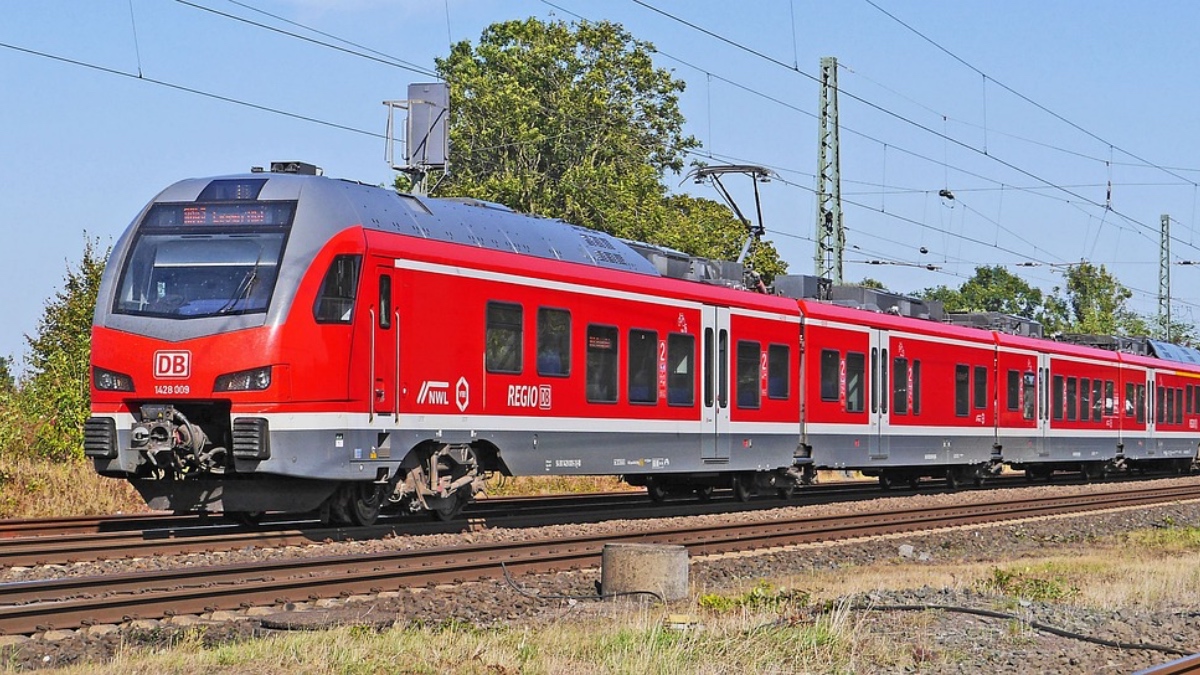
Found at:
[785, 492]
[657, 491]
[366, 499]
[704, 493]
[448, 508]
[742, 488]
[914, 482]
[885, 481]
[953, 480]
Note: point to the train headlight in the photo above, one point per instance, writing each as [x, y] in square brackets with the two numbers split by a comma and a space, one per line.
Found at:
[108, 380]
[255, 379]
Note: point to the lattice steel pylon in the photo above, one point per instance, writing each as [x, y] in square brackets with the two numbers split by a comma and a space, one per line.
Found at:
[831, 235]
[1164, 278]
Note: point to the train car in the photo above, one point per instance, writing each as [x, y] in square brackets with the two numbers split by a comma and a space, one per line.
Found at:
[897, 397]
[284, 341]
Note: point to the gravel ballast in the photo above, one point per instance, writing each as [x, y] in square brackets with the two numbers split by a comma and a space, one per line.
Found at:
[946, 642]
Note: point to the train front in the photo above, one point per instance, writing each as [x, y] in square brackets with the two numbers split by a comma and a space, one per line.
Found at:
[191, 359]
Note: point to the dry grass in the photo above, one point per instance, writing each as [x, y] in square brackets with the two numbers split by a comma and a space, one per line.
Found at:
[501, 486]
[41, 489]
[761, 628]
[630, 640]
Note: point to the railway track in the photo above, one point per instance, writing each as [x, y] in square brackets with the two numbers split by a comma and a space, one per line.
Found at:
[29, 607]
[65, 541]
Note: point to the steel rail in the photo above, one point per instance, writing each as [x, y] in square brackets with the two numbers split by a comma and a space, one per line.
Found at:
[1186, 664]
[221, 535]
[28, 607]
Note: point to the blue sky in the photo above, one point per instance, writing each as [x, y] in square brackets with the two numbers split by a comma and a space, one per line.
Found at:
[1098, 141]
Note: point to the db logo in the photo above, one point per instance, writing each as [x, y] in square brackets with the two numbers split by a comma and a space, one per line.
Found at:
[170, 365]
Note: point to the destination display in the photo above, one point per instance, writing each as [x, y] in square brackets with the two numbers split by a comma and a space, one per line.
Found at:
[217, 214]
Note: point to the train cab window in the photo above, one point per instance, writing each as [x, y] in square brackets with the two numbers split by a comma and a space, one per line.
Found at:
[335, 301]
[856, 371]
[1057, 397]
[1012, 390]
[962, 390]
[385, 301]
[1072, 398]
[900, 386]
[749, 373]
[1085, 399]
[916, 387]
[681, 383]
[503, 340]
[642, 379]
[778, 361]
[1109, 401]
[553, 342]
[830, 365]
[1029, 394]
[981, 387]
[602, 364]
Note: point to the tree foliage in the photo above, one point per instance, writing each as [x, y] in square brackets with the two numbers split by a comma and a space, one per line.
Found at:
[994, 289]
[574, 121]
[1094, 301]
[7, 382]
[54, 396]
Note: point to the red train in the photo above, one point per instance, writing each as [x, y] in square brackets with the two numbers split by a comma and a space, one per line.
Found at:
[283, 341]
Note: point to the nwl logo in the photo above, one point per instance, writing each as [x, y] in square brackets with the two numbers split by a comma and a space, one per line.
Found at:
[172, 364]
[434, 393]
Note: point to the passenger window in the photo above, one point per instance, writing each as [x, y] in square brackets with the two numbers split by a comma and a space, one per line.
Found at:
[1097, 399]
[962, 390]
[1160, 416]
[981, 387]
[1085, 405]
[681, 383]
[1058, 397]
[900, 386]
[1129, 399]
[1109, 401]
[554, 342]
[1072, 399]
[643, 366]
[1188, 399]
[855, 372]
[1178, 405]
[778, 357]
[503, 349]
[749, 373]
[830, 365]
[602, 364]
[1013, 389]
[916, 387]
[335, 301]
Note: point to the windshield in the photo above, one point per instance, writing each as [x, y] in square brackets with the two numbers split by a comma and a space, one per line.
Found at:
[191, 272]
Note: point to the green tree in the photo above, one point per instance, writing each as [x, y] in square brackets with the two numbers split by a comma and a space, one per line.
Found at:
[574, 121]
[995, 289]
[1096, 302]
[7, 383]
[55, 393]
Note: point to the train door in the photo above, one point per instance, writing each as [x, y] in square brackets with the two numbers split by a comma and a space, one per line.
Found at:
[385, 346]
[715, 373]
[1040, 444]
[877, 433]
[1154, 405]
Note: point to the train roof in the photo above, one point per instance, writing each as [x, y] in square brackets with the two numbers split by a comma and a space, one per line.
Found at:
[462, 221]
